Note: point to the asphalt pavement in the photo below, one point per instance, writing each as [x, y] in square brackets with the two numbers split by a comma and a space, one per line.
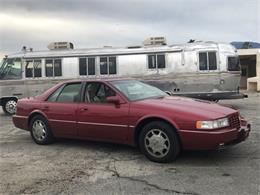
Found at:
[84, 167]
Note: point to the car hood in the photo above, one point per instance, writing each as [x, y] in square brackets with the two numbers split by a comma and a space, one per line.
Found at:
[203, 109]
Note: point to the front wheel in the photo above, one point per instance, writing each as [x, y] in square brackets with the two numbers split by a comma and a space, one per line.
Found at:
[9, 107]
[159, 142]
[40, 130]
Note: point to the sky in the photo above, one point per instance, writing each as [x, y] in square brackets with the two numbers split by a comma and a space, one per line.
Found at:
[96, 23]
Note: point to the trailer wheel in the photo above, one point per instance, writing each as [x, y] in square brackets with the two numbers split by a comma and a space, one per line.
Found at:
[9, 106]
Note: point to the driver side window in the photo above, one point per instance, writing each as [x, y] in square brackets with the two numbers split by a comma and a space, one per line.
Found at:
[97, 92]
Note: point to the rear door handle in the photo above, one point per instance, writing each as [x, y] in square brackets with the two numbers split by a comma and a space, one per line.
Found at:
[46, 107]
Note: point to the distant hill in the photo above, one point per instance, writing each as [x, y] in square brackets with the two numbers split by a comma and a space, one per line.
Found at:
[245, 45]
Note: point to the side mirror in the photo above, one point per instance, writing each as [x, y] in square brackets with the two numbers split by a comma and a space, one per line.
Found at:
[113, 99]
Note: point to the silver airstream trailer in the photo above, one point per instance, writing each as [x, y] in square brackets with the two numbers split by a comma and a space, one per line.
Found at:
[206, 70]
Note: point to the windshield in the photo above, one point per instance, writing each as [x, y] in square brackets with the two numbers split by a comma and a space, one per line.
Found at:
[10, 68]
[136, 90]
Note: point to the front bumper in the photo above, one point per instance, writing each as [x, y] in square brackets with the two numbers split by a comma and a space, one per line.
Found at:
[211, 140]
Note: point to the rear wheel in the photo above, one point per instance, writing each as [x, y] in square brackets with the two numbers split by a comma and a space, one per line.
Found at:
[159, 142]
[9, 106]
[40, 130]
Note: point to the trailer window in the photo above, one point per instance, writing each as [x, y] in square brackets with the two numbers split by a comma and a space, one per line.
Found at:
[53, 67]
[33, 68]
[161, 61]
[233, 64]
[87, 66]
[212, 60]
[203, 61]
[112, 65]
[107, 65]
[29, 69]
[91, 66]
[207, 61]
[82, 66]
[57, 67]
[156, 61]
[103, 65]
[49, 68]
[151, 62]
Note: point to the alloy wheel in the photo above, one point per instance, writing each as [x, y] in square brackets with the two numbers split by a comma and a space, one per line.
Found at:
[157, 143]
[39, 130]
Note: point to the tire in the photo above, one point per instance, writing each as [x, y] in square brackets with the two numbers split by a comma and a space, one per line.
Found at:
[40, 130]
[9, 106]
[159, 142]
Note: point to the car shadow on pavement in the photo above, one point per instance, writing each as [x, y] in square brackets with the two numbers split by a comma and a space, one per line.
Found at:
[128, 152]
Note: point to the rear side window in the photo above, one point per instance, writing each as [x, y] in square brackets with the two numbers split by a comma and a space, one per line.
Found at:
[69, 93]
[54, 95]
[233, 64]
[208, 60]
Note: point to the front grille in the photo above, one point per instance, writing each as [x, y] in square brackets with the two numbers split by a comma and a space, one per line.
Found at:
[234, 120]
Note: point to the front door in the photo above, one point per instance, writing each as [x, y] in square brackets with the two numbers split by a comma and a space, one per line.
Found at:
[100, 120]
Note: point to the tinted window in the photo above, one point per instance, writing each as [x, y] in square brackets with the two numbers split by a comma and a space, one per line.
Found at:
[29, 68]
[57, 67]
[98, 92]
[212, 60]
[207, 61]
[112, 65]
[70, 93]
[53, 67]
[108, 65]
[151, 61]
[91, 66]
[103, 65]
[82, 66]
[37, 64]
[233, 64]
[203, 61]
[156, 61]
[49, 68]
[161, 61]
[87, 66]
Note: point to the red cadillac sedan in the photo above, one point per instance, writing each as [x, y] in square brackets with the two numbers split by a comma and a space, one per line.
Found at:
[129, 112]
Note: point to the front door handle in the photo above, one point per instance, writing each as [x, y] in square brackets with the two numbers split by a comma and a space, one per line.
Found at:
[83, 109]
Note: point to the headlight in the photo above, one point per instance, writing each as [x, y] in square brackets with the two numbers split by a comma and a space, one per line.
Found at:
[223, 122]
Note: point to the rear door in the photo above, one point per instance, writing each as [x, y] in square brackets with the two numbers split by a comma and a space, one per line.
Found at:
[100, 120]
[61, 107]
